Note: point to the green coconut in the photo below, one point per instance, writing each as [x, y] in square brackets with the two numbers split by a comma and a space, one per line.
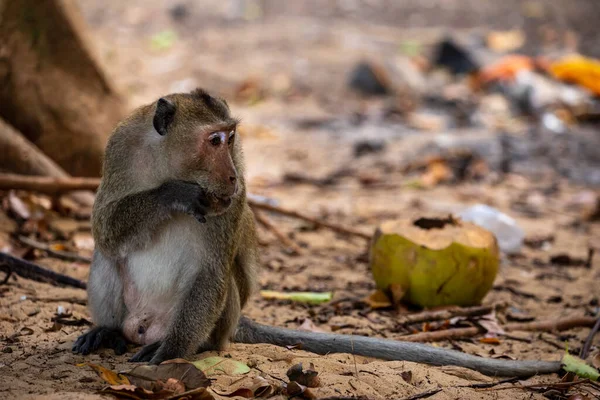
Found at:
[434, 262]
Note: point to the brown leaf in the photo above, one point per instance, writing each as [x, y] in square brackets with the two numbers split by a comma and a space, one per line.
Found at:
[309, 326]
[397, 292]
[146, 376]
[378, 299]
[309, 377]
[407, 376]
[596, 360]
[437, 172]
[490, 323]
[295, 389]
[108, 376]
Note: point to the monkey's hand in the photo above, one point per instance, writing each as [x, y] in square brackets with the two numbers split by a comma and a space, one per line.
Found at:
[100, 337]
[185, 197]
[146, 353]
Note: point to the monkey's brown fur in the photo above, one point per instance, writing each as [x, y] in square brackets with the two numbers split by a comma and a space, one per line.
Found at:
[176, 259]
[144, 217]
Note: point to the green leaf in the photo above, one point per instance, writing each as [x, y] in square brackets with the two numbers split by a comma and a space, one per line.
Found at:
[577, 366]
[211, 365]
[301, 297]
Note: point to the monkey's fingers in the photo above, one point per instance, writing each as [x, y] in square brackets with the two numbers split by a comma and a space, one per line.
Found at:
[146, 353]
[100, 337]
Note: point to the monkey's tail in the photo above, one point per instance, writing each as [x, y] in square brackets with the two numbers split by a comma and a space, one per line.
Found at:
[251, 332]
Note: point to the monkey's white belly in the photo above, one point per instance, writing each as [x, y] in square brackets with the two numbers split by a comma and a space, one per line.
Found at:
[157, 277]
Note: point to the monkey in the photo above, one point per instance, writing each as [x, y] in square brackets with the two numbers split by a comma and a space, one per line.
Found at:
[176, 256]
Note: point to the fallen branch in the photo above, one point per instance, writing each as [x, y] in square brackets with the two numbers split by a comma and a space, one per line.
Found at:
[428, 316]
[588, 342]
[294, 214]
[48, 185]
[63, 255]
[423, 395]
[37, 273]
[266, 222]
[463, 333]
[61, 185]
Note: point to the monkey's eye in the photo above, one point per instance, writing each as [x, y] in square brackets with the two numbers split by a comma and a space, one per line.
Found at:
[215, 140]
[231, 137]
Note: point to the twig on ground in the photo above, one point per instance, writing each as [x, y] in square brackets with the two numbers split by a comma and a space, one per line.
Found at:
[557, 385]
[32, 271]
[423, 395]
[489, 384]
[463, 333]
[73, 300]
[588, 342]
[63, 255]
[61, 185]
[294, 214]
[46, 184]
[266, 222]
[428, 316]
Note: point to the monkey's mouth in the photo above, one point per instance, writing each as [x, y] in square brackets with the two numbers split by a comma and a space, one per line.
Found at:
[220, 203]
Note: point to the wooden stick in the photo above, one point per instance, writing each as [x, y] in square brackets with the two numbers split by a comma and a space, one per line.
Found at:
[427, 316]
[48, 185]
[37, 273]
[61, 185]
[266, 222]
[294, 214]
[63, 255]
[541, 326]
[588, 342]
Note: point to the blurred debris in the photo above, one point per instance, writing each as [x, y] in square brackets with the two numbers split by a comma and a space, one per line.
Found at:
[163, 40]
[566, 260]
[369, 79]
[505, 41]
[368, 146]
[509, 235]
[454, 58]
[579, 70]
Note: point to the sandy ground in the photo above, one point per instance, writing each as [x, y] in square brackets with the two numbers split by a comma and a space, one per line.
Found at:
[36, 361]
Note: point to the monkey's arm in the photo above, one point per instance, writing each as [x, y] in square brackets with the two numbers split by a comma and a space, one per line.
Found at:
[126, 224]
[324, 343]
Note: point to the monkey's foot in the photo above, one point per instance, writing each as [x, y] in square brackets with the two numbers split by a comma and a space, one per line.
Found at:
[100, 337]
[146, 353]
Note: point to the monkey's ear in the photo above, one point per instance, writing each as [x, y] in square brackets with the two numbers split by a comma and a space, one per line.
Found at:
[165, 112]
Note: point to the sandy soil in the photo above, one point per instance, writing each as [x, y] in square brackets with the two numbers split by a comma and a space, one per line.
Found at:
[314, 58]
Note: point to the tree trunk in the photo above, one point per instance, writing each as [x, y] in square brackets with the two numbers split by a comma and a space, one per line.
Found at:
[52, 89]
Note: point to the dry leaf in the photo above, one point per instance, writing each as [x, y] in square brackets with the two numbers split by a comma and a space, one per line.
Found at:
[437, 172]
[378, 299]
[108, 376]
[147, 376]
[308, 377]
[309, 326]
[407, 376]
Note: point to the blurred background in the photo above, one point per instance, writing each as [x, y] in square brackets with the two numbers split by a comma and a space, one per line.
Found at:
[354, 112]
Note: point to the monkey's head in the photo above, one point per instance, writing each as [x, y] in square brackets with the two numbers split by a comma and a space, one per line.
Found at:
[198, 136]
